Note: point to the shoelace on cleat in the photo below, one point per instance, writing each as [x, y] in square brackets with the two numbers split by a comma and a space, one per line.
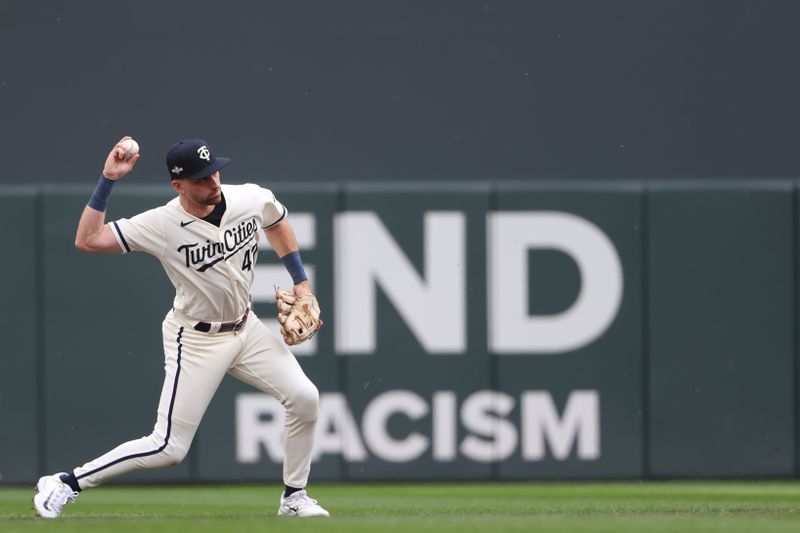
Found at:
[303, 500]
[64, 496]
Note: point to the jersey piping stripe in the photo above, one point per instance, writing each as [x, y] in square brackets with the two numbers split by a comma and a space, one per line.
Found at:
[169, 420]
[282, 217]
[121, 237]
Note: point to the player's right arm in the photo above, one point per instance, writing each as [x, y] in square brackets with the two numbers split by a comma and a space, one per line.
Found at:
[93, 234]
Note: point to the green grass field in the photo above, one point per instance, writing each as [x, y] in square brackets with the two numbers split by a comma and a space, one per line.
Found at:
[612, 507]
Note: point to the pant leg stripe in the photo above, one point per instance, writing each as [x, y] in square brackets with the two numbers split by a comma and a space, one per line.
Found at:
[169, 420]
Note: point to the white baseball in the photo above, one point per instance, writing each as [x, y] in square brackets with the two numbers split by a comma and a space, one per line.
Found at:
[131, 148]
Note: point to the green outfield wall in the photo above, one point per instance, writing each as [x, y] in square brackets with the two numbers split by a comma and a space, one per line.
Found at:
[481, 331]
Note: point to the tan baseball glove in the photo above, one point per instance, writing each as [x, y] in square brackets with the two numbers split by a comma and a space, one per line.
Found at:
[298, 316]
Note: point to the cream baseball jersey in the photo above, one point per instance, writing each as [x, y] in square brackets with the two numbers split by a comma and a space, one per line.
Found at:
[211, 267]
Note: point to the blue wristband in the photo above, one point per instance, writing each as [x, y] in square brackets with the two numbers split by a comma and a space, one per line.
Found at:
[99, 199]
[294, 265]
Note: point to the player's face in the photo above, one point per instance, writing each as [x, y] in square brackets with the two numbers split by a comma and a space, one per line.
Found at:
[205, 191]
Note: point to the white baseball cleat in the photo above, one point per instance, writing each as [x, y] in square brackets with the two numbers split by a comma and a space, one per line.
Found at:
[52, 495]
[301, 506]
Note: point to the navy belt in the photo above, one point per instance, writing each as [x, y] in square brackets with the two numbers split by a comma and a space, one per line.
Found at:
[225, 327]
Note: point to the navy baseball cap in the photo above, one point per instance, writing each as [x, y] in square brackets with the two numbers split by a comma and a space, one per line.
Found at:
[192, 159]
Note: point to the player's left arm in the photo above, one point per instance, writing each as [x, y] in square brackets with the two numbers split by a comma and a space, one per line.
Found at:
[282, 238]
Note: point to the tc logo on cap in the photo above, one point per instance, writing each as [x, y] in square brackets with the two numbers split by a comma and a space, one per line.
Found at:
[192, 159]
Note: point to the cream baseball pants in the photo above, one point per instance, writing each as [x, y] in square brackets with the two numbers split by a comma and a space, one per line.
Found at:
[195, 364]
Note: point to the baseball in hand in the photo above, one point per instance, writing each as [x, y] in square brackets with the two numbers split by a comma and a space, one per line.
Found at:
[131, 148]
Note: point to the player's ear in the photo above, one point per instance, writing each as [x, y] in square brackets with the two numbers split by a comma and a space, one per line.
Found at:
[177, 185]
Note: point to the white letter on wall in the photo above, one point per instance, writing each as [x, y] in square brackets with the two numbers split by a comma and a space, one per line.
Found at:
[445, 429]
[376, 432]
[483, 414]
[511, 235]
[366, 255]
[337, 431]
[580, 422]
[259, 421]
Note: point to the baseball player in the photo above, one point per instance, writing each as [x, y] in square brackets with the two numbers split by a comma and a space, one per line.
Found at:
[207, 241]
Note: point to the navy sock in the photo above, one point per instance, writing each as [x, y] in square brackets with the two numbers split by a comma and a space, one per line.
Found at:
[72, 481]
[288, 491]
